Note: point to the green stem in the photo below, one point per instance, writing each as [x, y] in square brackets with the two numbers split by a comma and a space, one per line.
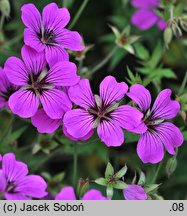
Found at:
[156, 173]
[2, 22]
[64, 3]
[77, 16]
[181, 90]
[104, 61]
[75, 159]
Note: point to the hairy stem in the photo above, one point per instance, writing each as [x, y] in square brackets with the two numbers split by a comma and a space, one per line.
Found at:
[181, 90]
[75, 159]
[156, 173]
[2, 22]
[77, 16]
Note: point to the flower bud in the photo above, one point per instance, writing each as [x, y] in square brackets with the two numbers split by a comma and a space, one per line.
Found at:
[168, 36]
[5, 7]
[171, 166]
[83, 186]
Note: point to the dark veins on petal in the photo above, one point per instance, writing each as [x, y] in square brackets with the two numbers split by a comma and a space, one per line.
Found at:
[9, 91]
[10, 187]
[101, 112]
[47, 37]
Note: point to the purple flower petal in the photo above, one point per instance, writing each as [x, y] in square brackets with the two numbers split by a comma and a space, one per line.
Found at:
[55, 18]
[31, 39]
[4, 82]
[93, 195]
[16, 196]
[145, 3]
[81, 94]
[44, 123]
[88, 136]
[78, 123]
[141, 96]
[55, 54]
[67, 193]
[3, 182]
[134, 192]
[31, 17]
[32, 185]
[144, 19]
[3, 102]
[164, 107]
[70, 40]
[161, 24]
[150, 148]
[170, 136]
[24, 103]
[110, 133]
[55, 103]
[129, 118]
[4, 86]
[63, 74]
[111, 90]
[12, 169]
[35, 62]
[16, 71]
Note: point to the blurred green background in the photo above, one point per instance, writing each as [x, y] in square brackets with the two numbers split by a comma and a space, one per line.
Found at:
[54, 154]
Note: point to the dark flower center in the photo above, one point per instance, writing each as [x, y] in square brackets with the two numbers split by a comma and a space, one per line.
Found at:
[101, 111]
[10, 187]
[47, 36]
[37, 82]
[150, 121]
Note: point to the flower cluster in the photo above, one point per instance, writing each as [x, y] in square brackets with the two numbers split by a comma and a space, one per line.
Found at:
[44, 85]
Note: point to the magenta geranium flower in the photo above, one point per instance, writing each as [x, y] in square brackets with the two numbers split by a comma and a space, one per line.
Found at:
[68, 193]
[155, 132]
[39, 83]
[101, 112]
[145, 17]
[45, 124]
[15, 184]
[134, 192]
[47, 32]
[6, 89]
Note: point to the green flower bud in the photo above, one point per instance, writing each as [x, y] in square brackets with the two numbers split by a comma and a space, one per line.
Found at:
[171, 166]
[168, 34]
[5, 7]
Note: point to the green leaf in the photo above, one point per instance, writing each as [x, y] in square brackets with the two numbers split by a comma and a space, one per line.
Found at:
[185, 135]
[142, 178]
[141, 51]
[156, 56]
[109, 171]
[115, 31]
[152, 188]
[59, 177]
[178, 10]
[120, 54]
[16, 134]
[120, 185]
[121, 172]
[101, 181]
